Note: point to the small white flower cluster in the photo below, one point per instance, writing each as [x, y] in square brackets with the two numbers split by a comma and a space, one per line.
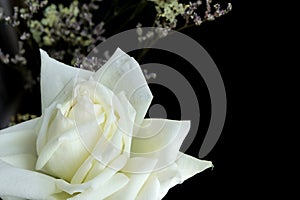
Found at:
[18, 15]
[191, 15]
[71, 25]
[157, 32]
[169, 12]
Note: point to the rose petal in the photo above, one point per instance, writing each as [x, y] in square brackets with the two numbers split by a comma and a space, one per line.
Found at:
[139, 165]
[138, 170]
[11, 198]
[54, 77]
[110, 103]
[83, 171]
[123, 73]
[67, 148]
[18, 139]
[109, 171]
[189, 166]
[24, 161]
[100, 180]
[59, 196]
[42, 128]
[150, 190]
[114, 184]
[131, 189]
[186, 166]
[95, 169]
[26, 184]
[27, 125]
[160, 139]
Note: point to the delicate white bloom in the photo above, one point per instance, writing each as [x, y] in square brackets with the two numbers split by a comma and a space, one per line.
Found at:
[92, 141]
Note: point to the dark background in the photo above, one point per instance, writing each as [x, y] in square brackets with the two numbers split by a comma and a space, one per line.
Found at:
[237, 46]
[245, 164]
[227, 40]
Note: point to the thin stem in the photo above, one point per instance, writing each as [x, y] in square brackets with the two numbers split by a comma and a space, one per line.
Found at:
[185, 27]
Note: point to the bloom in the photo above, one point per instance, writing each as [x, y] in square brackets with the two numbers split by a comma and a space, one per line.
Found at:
[92, 141]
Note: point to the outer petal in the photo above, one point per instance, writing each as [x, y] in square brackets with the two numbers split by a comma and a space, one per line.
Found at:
[150, 190]
[24, 161]
[27, 125]
[104, 179]
[161, 181]
[12, 198]
[123, 73]
[17, 144]
[185, 167]
[159, 139]
[114, 184]
[137, 169]
[25, 183]
[54, 76]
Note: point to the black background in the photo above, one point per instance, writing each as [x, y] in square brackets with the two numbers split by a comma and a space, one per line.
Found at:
[227, 41]
[243, 46]
[237, 45]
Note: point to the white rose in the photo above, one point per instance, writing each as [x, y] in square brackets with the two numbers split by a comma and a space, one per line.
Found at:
[92, 141]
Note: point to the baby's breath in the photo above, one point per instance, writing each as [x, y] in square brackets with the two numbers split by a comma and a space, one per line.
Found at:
[68, 31]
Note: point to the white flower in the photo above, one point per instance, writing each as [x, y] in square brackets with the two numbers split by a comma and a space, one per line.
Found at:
[92, 141]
